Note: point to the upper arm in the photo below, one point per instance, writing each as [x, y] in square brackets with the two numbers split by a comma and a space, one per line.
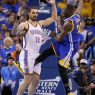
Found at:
[68, 26]
[22, 28]
[46, 22]
[80, 6]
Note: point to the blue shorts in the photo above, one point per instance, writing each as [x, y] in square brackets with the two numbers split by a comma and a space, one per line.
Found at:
[64, 52]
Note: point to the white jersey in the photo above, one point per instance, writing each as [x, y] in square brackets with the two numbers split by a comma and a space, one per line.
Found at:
[32, 40]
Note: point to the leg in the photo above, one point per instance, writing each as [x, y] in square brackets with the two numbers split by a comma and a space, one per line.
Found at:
[63, 74]
[44, 55]
[34, 84]
[25, 83]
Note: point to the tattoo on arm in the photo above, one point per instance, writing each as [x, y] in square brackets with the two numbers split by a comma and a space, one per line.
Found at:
[21, 30]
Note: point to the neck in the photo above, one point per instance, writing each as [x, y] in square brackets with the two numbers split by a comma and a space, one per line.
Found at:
[11, 66]
[31, 21]
[7, 47]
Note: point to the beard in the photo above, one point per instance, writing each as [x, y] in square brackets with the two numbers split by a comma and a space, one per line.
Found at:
[34, 18]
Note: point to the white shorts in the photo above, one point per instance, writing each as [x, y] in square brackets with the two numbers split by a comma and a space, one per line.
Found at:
[27, 60]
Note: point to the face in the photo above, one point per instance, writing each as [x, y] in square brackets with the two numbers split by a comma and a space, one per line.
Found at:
[11, 19]
[4, 27]
[15, 38]
[92, 68]
[68, 12]
[8, 43]
[33, 14]
[18, 47]
[23, 5]
[7, 34]
[22, 19]
[0, 36]
[10, 62]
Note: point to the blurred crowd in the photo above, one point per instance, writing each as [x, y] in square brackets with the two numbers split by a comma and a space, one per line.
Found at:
[13, 12]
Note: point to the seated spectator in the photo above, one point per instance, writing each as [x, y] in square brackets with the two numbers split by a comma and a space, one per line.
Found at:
[87, 9]
[80, 53]
[1, 41]
[2, 15]
[90, 36]
[15, 38]
[8, 73]
[93, 9]
[22, 9]
[10, 22]
[16, 53]
[7, 8]
[83, 78]
[4, 28]
[92, 68]
[16, 6]
[8, 48]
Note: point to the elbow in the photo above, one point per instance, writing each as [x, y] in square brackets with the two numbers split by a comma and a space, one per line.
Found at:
[54, 18]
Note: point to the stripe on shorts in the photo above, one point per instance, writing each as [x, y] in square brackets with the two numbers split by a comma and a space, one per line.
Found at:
[26, 68]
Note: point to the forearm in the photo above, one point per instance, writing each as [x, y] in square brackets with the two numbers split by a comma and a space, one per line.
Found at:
[15, 26]
[91, 41]
[80, 6]
[54, 11]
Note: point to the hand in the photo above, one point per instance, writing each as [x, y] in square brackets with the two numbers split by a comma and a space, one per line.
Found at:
[92, 85]
[87, 88]
[53, 34]
[51, 1]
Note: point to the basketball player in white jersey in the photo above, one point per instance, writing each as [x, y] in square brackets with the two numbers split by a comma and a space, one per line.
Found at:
[32, 41]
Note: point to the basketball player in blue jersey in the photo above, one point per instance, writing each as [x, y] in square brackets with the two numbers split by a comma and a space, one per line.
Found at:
[66, 44]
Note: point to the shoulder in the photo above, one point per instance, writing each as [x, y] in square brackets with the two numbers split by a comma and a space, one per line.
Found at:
[4, 68]
[24, 25]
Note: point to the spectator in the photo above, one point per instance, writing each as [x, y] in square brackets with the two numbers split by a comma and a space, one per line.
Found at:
[1, 41]
[83, 78]
[8, 48]
[7, 34]
[92, 68]
[7, 8]
[8, 73]
[22, 9]
[16, 6]
[2, 15]
[80, 53]
[87, 9]
[93, 8]
[4, 29]
[15, 38]
[90, 37]
[16, 53]
[10, 23]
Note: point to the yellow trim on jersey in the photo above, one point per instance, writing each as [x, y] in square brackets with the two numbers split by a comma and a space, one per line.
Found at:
[72, 25]
[54, 50]
[62, 61]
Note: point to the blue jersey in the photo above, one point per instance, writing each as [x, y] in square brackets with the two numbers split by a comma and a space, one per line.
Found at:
[71, 40]
[69, 46]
